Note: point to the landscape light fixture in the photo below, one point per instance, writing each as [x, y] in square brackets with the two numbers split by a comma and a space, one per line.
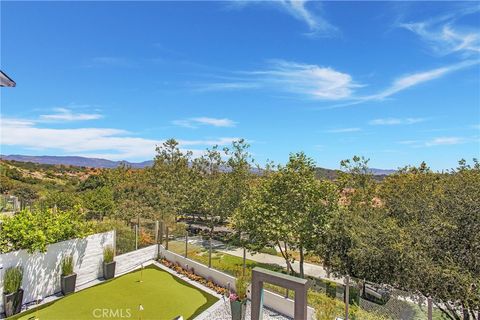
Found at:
[140, 309]
[6, 81]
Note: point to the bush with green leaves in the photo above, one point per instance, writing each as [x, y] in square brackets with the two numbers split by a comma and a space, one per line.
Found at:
[125, 236]
[241, 285]
[34, 229]
[67, 265]
[12, 280]
[108, 254]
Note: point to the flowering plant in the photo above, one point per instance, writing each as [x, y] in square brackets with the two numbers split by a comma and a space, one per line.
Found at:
[233, 297]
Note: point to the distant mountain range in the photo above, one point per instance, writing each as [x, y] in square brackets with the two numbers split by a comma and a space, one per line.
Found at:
[76, 161]
[104, 163]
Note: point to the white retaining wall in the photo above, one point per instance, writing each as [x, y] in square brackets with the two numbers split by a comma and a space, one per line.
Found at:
[41, 271]
[131, 260]
[220, 278]
[270, 300]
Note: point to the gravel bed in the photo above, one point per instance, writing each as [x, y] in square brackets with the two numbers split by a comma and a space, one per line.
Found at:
[222, 312]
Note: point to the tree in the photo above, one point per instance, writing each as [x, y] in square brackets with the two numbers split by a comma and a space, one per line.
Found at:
[62, 200]
[440, 212]
[99, 202]
[290, 208]
[212, 187]
[169, 179]
[34, 229]
[417, 231]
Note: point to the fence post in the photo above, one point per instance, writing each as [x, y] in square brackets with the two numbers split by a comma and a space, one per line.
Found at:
[114, 242]
[186, 243]
[166, 235]
[430, 308]
[156, 238]
[244, 261]
[161, 232]
[136, 237]
[347, 295]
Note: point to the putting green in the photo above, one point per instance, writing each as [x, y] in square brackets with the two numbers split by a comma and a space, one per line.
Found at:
[162, 295]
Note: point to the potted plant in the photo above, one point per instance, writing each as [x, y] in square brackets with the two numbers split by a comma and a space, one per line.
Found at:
[238, 299]
[108, 262]
[68, 277]
[12, 293]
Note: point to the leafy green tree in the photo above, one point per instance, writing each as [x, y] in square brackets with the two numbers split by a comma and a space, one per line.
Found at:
[290, 208]
[417, 231]
[25, 193]
[169, 180]
[34, 230]
[440, 213]
[98, 203]
[239, 177]
[62, 200]
[212, 187]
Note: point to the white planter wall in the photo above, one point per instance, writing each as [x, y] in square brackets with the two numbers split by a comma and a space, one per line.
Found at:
[271, 300]
[41, 271]
[131, 260]
[220, 278]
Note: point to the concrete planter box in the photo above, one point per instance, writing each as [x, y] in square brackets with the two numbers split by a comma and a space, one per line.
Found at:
[109, 270]
[68, 283]
[13, 302]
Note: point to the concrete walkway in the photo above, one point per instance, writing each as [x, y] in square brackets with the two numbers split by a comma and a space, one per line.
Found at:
[309, 269]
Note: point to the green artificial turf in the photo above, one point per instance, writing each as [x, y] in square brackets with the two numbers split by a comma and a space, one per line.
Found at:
[162, 295]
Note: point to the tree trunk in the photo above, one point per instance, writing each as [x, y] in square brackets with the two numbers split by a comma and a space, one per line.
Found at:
[451, 314]
[302, 274]
[210, 248]
[466, 315]
[285, 256]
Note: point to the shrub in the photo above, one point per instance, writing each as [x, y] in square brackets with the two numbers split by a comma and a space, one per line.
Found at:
[34, 229]
[268, 250]
[241, 285]
[12, 280]
[67, 265]
[108, 254]
[125, 241]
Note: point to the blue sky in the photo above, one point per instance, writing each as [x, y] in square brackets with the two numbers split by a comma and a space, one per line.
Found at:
[397, 82]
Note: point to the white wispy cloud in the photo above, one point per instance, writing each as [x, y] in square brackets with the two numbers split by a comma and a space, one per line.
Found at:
[394, 121]
[414, 79]
[306, 80]
[344, 130]
[206, 121]
[444, 36]
[406, 82]
[438, 141]
[107, 143]
[314, 81]
[308, 12]
[64, 114]
[318, 82]
[445, 141]
[315, 21]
